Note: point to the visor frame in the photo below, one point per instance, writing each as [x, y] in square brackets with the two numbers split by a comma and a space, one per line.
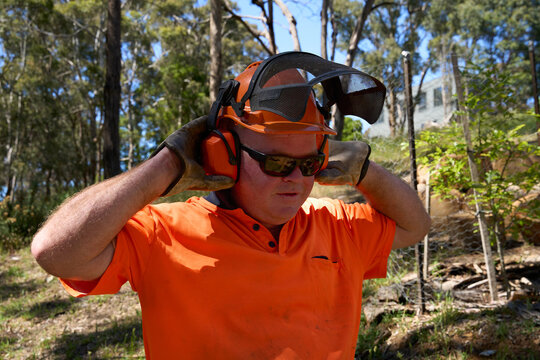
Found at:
[310, 63]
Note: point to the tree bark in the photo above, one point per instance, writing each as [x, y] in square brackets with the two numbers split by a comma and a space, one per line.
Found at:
[256, 34]
[339, 118]
[270, 24]
[216, 72]
[357, 33]
[324, 27]
[112, 90]
[292, 23]
[392, 112]
[333, 23]
[475, 177]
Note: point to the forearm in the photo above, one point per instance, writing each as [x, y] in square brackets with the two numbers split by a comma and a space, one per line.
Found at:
[77, 240]
[394, 198]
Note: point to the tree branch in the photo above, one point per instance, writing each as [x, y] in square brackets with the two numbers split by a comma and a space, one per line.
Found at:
[247, 26]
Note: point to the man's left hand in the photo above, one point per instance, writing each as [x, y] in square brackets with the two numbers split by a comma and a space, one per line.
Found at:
[347, 164]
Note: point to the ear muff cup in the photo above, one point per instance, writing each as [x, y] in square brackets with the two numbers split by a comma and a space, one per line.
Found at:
[220, 153]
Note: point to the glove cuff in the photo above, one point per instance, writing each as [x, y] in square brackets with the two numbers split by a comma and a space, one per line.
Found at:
[365, 166]
[181, 173]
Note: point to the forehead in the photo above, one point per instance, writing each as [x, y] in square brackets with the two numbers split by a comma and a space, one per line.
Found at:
[291, 144]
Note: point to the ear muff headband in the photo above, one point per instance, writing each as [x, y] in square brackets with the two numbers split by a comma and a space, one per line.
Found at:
[221, 153]
[233, 159]
[226, 96]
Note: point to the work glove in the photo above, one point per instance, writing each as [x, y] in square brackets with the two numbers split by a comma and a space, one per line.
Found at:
[347, 164]
[186, 144]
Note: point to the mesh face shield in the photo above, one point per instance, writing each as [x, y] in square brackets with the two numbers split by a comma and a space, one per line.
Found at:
[283, 84]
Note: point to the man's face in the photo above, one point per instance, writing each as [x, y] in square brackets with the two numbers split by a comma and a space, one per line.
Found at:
[272, 200]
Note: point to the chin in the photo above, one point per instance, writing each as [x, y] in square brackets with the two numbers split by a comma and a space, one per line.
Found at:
[283, 216]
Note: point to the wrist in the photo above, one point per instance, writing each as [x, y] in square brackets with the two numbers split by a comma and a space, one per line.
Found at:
[168, 168]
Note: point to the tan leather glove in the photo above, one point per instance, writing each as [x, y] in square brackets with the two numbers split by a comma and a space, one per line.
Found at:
[186, 144]
[347, 164]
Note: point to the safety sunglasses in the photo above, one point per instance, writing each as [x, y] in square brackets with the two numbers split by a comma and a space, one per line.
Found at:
[280, 165]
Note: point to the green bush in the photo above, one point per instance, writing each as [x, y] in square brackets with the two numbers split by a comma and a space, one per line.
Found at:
[18, 223]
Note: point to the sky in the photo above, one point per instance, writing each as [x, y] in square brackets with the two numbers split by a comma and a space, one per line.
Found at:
[308, 25]
[307, 15]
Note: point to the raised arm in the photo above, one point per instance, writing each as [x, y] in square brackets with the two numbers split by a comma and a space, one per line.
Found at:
[394, 198]
[78, 240]
[348, 164]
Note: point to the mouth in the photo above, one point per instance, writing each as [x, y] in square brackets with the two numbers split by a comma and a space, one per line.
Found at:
[288, 194]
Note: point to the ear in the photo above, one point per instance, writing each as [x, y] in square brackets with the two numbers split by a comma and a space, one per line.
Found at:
[220, 153]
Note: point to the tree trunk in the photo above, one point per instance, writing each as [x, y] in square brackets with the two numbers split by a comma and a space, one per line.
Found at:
[270, 23]
[333, 23]
[215, 48]
[357, 33]
[391, 106]
[14, 126]
[475, 177]
[292, 23]
[112, 90]
[324, 27]
[339, 119]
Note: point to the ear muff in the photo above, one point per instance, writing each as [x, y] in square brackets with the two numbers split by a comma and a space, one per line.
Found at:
[221, 148]
[220, 153]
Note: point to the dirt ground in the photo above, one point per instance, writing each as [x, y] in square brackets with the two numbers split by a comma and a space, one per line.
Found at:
[463, 323]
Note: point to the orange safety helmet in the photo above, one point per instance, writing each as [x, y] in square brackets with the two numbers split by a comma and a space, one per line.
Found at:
[310, 119]
[277, 96]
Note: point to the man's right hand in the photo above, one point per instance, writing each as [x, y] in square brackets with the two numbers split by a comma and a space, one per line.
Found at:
[186, 144]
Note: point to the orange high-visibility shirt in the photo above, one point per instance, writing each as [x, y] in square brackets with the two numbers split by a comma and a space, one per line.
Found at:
[214, 284]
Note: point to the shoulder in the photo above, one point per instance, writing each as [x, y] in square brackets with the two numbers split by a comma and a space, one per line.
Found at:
[173, 211]
[337, 208]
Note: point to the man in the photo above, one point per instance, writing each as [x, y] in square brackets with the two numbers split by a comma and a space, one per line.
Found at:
[255, 269]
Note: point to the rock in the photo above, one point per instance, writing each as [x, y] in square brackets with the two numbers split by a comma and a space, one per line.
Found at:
[449, 285]
[488, 353]
[389, 293]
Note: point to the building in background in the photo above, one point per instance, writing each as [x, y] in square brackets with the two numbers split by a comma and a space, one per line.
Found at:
[435, 107]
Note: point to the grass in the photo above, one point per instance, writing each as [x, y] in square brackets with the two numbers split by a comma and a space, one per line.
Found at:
[449, 333]
[38, 319]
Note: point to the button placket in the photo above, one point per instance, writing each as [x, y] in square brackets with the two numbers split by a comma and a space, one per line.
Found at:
[265, 237]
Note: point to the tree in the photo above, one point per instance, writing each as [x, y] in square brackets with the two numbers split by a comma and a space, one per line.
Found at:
[391, 30]
[497, 124]
[215, 48]
[111, 93]
[292, 24]
[359, 18]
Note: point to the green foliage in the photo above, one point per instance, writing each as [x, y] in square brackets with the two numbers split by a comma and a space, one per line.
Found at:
[497, 123]
[18, 224]
[392, 153]
[371, 341]
[352, 129]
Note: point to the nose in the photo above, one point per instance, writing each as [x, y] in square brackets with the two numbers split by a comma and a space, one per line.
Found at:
[296, 175]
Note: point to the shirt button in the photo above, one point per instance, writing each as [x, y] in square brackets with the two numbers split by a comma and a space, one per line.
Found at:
[256, 227]
[272, 244]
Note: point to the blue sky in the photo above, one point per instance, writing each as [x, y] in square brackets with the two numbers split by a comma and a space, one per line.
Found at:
[308, 27]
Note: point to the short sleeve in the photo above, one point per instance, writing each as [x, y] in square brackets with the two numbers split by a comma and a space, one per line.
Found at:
[374, 234]
[133, 246]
